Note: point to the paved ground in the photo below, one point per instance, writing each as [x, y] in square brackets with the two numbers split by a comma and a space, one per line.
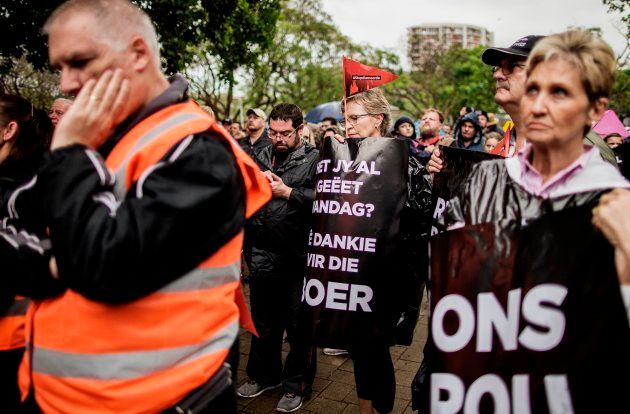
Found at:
[333, 389]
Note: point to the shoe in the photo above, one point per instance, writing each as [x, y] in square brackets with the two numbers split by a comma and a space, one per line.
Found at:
[252, 389]
[289, 402]
[335, 352]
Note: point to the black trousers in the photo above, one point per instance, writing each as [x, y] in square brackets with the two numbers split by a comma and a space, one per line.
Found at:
[374, 374]
[9, 391]
[275, 305]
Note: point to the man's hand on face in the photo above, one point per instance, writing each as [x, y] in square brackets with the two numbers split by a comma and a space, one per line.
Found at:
[97, 110]
[278, 188]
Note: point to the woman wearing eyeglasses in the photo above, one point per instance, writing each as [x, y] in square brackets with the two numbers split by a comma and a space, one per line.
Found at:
[368, 115]
[569, 78]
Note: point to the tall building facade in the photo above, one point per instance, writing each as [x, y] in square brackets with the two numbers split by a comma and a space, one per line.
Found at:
[425, 39]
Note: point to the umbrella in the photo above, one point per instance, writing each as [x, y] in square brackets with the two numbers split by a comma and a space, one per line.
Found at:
[325, 110]
[610, 124]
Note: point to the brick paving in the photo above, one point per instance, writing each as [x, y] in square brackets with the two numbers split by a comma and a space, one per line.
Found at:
[333, 389]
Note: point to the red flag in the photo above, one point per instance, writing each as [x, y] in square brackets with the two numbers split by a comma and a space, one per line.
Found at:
[360, 78]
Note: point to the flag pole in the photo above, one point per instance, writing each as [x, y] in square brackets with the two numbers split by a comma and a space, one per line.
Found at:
[345, 93]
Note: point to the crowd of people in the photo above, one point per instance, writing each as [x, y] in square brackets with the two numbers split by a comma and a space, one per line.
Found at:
[126, 211]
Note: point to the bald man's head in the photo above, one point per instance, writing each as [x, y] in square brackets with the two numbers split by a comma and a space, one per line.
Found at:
[118, 22]
[89, 38]
[59, 107]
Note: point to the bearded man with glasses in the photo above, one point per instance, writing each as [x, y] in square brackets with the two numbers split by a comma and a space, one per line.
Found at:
[279, 236]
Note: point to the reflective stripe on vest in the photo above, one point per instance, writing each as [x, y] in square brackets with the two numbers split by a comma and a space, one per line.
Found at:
[146, 355]
[12, 323]
[127, 365]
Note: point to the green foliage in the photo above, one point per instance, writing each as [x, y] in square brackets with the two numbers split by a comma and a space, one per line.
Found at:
[620, 97]
[304, 66]
[447, 81]
[38, 86]
[235, 30]
[20, 30]
[620, 7]
[239, 37]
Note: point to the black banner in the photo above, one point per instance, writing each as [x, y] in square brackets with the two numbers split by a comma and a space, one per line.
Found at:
[526, 320]
[458, 164]
[622, 153]
[360, 191]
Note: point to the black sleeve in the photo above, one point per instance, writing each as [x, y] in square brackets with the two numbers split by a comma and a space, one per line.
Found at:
[185, 210]
[304, 195]
[25, 266]
[412, 250]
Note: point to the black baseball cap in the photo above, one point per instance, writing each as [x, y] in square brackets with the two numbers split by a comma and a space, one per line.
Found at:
[492, 56]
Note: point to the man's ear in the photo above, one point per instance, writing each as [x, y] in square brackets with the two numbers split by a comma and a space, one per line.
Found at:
[142, 55]
[596, 110]
[10, 132]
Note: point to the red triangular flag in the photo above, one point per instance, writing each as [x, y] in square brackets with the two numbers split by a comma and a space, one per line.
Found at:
[360, 78]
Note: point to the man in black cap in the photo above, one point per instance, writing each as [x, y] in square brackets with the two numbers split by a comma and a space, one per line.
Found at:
[257, 138]
[509, 73]
[508, 70]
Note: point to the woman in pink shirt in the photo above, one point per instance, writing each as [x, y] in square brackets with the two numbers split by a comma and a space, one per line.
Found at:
[518, 241]
[569, 78]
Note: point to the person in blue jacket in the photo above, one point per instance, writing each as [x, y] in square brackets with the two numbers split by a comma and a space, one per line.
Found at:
[468, 134]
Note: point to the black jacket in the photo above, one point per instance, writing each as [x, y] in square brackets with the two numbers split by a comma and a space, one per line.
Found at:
[28, 268]
[411, 258]
[279, 231]
[252, 149]
[115, 252]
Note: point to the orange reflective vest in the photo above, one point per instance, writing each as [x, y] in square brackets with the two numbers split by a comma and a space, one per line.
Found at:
[147, 355]
[12, 325]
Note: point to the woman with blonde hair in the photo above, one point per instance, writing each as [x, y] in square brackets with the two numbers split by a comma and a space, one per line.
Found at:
[569, 78]
[368, 115]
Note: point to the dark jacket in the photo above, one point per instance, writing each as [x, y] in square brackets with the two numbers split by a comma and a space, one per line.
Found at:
[494, 192]
[114, 252]
[279, 231]
[32, 271]
[477, 144]
[252, 149]
[412, 261]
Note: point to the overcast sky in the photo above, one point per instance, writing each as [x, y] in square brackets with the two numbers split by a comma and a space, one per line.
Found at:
[383, 23]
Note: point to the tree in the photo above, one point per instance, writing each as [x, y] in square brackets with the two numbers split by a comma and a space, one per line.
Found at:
[234, 44]
[447, 81]
[620, 96]
[619, 6]
[38, 86]
[224, 34]
[304, 66]
[235, 30]
[20, 30]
